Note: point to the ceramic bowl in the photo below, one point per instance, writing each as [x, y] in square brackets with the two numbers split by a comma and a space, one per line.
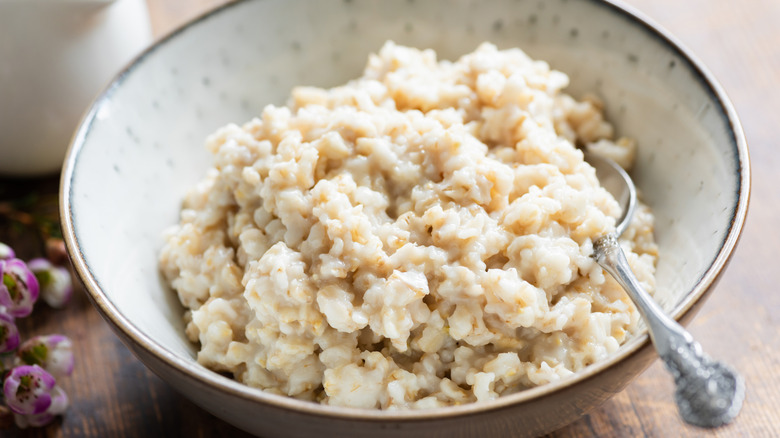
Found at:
[57, 56]
[141, 147]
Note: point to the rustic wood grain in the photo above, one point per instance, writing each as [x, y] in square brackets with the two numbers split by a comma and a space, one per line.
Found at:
[114, 395]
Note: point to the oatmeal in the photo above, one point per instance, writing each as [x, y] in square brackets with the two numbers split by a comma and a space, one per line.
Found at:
[418, 237]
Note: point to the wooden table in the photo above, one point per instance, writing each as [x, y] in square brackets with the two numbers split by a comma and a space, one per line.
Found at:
[114, 395]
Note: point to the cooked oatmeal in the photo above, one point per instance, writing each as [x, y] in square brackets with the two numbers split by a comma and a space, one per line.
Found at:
[418, 237]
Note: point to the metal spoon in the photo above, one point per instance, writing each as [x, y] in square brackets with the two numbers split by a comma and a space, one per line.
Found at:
[708, 393]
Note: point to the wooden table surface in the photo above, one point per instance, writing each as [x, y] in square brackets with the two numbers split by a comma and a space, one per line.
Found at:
[114, 395]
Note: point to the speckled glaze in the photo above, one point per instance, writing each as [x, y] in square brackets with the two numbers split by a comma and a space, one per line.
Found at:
[141, 146]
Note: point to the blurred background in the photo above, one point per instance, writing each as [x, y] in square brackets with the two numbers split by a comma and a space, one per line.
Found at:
[114, 395]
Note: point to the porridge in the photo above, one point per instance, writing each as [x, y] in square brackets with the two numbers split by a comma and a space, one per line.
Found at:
[418, 237]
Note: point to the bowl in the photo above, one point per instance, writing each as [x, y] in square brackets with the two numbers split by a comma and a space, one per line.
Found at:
[63, 53]
[139, 149]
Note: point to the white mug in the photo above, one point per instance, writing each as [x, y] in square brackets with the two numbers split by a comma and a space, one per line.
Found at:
[55, 56]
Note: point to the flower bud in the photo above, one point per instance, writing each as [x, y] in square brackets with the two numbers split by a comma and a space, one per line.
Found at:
[55, 284]
[53, 352]
[28, 390]
[9, 334]
[56, 251]
[19, 287]
[6, 252]
[59, 403]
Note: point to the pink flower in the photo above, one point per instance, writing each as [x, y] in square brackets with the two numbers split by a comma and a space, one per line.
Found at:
[6, 252]
[9, 334]
[55, 284]
[28, 390]
[19, 287]
[59, 402]
[54, 353]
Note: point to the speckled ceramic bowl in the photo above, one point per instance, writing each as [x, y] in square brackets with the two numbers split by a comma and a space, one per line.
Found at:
[140, 148]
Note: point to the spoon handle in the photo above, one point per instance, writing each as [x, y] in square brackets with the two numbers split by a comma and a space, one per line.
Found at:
[709, 393]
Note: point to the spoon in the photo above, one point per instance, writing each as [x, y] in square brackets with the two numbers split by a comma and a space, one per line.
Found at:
[708, 393]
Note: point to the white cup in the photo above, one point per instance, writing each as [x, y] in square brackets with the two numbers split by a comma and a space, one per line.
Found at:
[55, 56]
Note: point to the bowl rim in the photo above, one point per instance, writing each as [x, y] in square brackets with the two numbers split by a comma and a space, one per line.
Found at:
[129, 333]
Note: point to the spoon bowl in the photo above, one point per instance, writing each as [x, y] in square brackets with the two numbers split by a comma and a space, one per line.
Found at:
[708, 393]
